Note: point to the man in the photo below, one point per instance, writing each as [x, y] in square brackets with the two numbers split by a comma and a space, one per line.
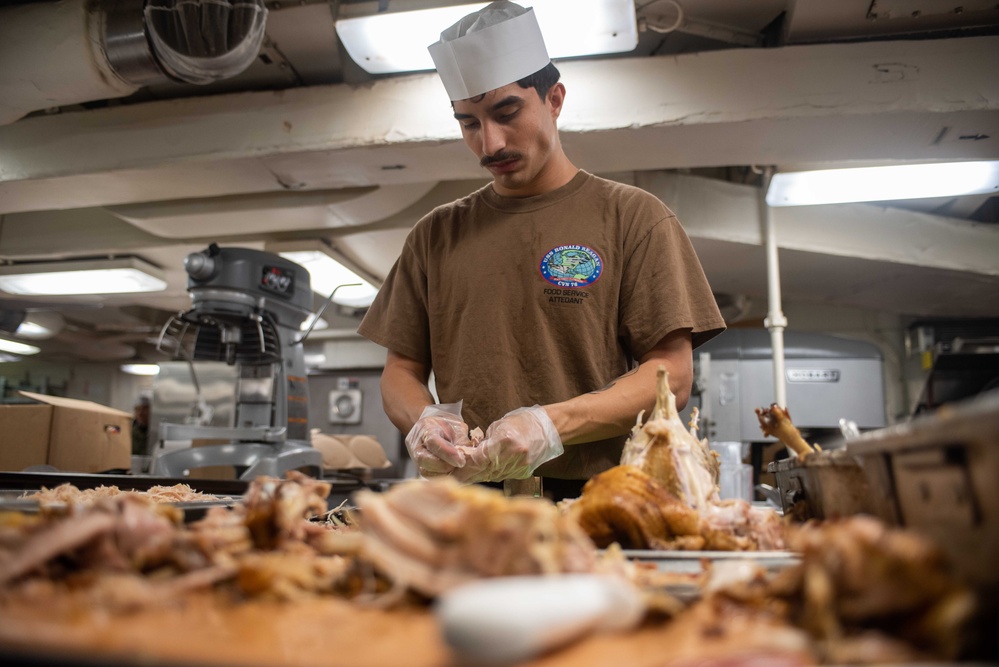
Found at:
[545, 302]
[140, 427]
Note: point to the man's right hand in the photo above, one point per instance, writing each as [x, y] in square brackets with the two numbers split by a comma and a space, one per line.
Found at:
[434, 440]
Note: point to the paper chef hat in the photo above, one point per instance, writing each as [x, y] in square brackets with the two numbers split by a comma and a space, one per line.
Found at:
[488, 49]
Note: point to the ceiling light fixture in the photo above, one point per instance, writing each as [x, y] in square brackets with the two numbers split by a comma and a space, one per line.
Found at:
[17, 348]
[29, 329]
[397, 42]
[141, 369]
[327, 273]
[313, 323]
[40, 325]
[85, 276]
[910, 181]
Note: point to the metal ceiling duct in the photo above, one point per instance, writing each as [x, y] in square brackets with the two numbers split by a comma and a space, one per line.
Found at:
[200, 41]
[54, 54]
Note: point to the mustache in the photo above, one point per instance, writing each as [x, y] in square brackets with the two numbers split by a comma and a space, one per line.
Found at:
[502, 156]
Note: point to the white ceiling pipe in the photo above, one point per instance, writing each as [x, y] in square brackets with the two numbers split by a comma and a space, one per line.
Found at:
[71, 51]
[50, 56]
[775, 321]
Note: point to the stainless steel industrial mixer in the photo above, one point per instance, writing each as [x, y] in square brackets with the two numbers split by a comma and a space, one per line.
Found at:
[247, 310]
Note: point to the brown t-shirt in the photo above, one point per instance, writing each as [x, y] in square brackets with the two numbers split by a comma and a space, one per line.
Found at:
[521, 301]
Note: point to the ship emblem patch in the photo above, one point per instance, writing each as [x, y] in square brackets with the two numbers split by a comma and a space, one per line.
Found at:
[571, 266]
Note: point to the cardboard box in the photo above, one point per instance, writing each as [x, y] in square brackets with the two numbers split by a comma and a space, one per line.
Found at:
[65, 433]
[937, 475]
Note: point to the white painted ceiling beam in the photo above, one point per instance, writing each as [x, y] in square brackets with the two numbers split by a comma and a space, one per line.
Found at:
[860, 255]
[901, 100]
[720, 211]
[711, 211]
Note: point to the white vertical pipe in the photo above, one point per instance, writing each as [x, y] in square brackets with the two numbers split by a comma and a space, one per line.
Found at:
[775, 320]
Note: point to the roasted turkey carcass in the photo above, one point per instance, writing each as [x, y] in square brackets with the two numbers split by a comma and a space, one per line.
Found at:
[670, 454]
[627, 506]
[664, 495]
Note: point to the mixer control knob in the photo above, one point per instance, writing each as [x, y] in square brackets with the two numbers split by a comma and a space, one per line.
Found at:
[199, 266]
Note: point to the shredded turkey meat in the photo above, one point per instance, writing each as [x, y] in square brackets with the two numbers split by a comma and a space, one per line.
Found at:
[265, 546]
[664, 495]
[431, 536]
[69, 494]
[867, 593]
[862, 593]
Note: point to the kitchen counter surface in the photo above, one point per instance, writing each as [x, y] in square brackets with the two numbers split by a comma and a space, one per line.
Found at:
[329, 631]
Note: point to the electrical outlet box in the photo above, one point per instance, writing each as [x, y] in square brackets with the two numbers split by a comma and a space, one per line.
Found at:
[345, 406]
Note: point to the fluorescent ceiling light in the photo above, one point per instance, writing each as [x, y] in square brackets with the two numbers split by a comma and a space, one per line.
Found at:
[141, 369]
[98, 276]
[40, 326]
[319, 325]
[912, 181]
[397, 42]
[326, 274]
[31, 330]
[17, 348]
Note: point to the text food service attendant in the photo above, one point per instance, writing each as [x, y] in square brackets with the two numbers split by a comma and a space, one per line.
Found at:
[543, 302]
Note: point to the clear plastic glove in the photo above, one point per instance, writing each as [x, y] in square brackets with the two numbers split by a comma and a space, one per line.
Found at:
[435, 438]
[513, 448]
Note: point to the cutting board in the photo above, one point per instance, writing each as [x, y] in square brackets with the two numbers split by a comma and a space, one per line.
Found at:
[330, 632]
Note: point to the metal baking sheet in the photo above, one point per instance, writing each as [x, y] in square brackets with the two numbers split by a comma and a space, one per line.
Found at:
[192, 509]
[692, 562]
[34, 481]
[14, 485]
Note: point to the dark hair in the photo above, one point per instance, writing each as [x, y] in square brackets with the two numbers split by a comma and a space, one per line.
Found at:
[542, 80]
